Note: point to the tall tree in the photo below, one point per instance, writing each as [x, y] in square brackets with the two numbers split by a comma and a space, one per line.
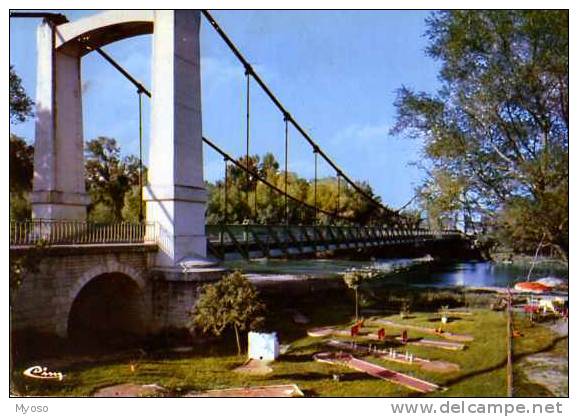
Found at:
[21, 154]
[108, 178]
[21, 171]
[21, 164]
[20, 104]
[496, 133]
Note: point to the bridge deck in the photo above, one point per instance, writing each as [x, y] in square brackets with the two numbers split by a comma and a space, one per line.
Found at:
[247, 241]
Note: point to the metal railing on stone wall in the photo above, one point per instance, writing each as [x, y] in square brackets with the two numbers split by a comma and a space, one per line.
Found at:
[70, 232]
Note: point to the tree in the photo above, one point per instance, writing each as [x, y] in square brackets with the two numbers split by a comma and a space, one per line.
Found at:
[231, 302]
[21, 164]
[353, 279]
[132, 204]
[108, 179]
[21, 171]
[496, 133]
[20, 104]
[23, 263]
[21, 154]
[243, 197]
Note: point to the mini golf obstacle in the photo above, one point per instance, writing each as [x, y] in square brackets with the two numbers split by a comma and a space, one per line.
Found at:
[332, 331]
[395, 356]
[376, 371]
[440, 344]
[130, 390]
[289, 390]
[458, 313]
[446, 335]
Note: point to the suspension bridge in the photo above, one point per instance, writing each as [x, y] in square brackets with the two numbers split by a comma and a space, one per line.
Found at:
[155, 266]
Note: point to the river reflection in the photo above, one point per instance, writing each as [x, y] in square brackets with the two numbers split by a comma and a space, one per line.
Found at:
[469, 274]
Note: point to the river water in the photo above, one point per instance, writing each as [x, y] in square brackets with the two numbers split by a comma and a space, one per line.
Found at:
[463, 274]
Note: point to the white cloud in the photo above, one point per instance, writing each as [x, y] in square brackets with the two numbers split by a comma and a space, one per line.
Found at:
[362, 132]
[217, 71]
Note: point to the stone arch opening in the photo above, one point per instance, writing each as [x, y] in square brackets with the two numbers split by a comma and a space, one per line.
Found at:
[108, 313]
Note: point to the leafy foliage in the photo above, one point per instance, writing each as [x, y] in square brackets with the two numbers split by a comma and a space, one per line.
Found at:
[21, 164]
[27, 262]
[231, 302]
[250, 200]
[109, 178]
[20, 104]
[21, 171]
[353, 279]
[496, 133]
[21, 154]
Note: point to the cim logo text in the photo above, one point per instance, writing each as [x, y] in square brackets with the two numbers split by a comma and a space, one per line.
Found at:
[40, 372]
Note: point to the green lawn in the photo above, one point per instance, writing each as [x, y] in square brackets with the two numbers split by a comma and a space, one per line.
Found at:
[209, 366]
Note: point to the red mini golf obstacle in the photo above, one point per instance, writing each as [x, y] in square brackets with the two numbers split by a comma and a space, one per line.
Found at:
[446, 335]
[332, 331]
[376, 371]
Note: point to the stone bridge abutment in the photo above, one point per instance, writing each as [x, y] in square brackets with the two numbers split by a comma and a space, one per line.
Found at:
[85, 290]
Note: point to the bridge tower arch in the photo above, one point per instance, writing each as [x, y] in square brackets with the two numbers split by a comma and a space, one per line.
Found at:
[175, 195]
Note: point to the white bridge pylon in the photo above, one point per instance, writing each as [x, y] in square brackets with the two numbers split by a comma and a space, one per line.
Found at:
[175, 195]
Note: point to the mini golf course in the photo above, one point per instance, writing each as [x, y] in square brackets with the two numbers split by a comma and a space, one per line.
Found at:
[376, 371]
[394, 356]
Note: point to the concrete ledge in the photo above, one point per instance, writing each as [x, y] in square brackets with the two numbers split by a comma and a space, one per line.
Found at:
[65, 250]
[59, 197]
[198, 275]
[177, 192]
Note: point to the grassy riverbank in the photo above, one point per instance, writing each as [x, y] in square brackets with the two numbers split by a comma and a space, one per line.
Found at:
[210, 365]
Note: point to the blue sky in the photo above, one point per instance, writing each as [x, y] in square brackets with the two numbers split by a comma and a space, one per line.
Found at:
[335, 71]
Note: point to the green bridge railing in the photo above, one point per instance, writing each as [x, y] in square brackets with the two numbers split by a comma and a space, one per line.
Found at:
[268, 240]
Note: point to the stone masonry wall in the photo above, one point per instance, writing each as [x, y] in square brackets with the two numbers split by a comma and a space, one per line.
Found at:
[44, 299]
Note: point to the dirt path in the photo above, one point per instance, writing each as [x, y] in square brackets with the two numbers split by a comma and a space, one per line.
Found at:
[550, 369]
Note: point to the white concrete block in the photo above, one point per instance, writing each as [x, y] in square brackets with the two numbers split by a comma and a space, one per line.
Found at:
[263, 346]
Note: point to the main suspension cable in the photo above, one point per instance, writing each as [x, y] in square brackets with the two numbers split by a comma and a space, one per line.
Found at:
[142, 89]
[248, 68]
[57, 19]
